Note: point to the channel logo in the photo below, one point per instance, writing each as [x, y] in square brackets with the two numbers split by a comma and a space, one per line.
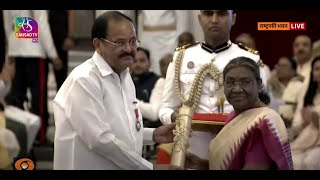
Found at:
[26, 28]
[282, 26]
[24, 164]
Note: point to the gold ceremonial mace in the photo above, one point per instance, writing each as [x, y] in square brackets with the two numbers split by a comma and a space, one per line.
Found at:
[181, 138]
[184, 120]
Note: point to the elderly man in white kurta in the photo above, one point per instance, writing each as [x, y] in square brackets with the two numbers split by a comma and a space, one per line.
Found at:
[98, 123]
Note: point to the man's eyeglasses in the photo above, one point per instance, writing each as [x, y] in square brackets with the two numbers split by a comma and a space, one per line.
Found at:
[132, 43]
[242, 84]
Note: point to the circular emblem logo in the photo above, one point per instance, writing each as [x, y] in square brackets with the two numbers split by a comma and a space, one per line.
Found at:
[190, 65]
[24, 164]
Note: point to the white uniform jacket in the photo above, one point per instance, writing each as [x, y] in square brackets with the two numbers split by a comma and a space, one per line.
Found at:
[200, 55]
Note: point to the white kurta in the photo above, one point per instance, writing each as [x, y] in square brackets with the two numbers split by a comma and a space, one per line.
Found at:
[290, 98]
[95, 120]
[306, 146]
[305, 70]
[161, 42]
[199, 141]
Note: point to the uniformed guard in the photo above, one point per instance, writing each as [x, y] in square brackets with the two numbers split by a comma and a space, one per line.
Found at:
[194, 80]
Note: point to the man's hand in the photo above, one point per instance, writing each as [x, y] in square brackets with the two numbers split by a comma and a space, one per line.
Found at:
[57, 63]
[8, 72]
[174, 115]
[164, 134]
[68, 44]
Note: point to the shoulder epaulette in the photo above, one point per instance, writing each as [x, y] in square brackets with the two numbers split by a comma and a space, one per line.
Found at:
[260, 63]
[186, 46]
[248, 49]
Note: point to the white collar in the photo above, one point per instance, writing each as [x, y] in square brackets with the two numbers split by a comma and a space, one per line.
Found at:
[104, 67]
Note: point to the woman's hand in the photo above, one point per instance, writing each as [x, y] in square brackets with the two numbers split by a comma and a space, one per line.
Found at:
[306, 114]
[194, 162]
[310, 116]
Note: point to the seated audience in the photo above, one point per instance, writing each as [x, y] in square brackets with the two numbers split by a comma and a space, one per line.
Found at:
[305, 126]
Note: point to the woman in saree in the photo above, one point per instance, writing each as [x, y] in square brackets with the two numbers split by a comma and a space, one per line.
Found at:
[305, 126]
[255, 136]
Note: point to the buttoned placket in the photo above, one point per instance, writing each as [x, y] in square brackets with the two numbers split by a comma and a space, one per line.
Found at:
[212, 92]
